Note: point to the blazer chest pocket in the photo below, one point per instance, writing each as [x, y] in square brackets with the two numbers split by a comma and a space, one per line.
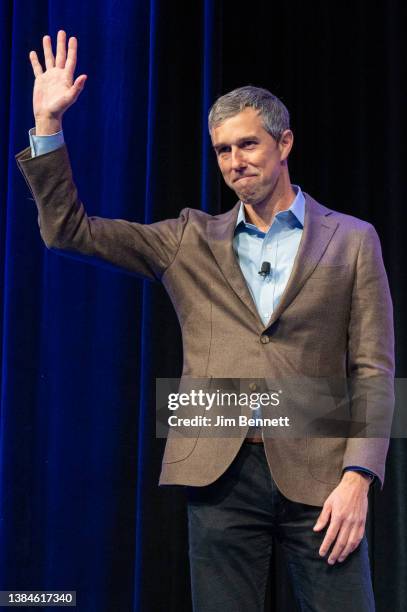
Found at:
[329, 273]
[329, 286]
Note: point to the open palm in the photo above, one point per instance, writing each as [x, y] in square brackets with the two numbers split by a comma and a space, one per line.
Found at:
[54, 89]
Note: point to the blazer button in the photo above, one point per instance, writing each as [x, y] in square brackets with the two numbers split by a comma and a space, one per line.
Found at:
[264, 339]
[253, 387]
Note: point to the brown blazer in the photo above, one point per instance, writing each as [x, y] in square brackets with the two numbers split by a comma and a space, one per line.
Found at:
[334, 318]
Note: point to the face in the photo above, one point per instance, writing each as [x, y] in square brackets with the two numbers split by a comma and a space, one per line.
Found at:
[250, 159]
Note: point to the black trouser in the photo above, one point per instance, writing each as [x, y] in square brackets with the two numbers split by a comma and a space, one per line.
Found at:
[231, 523]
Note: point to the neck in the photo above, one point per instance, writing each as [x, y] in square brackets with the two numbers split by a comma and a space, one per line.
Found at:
[262, 213]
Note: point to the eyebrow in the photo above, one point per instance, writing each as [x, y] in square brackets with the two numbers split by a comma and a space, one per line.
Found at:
[240, 141]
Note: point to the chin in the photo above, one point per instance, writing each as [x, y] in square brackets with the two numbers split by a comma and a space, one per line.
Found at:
[248, 197]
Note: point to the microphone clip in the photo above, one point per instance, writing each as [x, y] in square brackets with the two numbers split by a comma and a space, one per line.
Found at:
[265, 269]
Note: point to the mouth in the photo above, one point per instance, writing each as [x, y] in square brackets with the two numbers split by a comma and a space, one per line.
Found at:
[244, 178]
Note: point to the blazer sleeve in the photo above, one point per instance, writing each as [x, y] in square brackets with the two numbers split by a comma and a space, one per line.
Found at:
[370, 359]
[145, 250]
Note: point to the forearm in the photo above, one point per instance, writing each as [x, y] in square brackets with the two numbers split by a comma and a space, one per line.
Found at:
[60, 212]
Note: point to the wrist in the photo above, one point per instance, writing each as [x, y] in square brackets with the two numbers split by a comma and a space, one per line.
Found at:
[353, 476]
[45, 126]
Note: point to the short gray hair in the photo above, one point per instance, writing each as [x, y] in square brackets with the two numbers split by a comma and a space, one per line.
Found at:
[273, 112]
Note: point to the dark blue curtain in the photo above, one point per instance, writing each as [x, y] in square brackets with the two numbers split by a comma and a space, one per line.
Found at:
[79, 459]
[81, 346]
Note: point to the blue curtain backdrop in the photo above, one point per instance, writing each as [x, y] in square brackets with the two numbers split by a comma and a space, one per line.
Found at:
[79, 459]
[81, 346]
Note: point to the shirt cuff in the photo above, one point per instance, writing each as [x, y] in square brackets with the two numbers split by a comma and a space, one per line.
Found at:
[45, 144]
[358, 468]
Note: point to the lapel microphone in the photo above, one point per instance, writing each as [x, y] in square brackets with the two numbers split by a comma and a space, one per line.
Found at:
[265, 269]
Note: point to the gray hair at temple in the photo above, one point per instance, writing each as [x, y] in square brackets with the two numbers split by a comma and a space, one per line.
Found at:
[274, 114]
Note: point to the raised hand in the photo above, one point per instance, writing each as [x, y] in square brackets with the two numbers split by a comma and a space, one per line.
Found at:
[54, 89]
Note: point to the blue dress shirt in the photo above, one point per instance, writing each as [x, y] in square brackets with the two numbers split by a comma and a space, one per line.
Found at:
[45, 144]
[278, 246]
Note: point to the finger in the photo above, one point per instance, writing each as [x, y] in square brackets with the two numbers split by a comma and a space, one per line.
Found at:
[340, 544]
[76, 88]
[60, 58]
[79, 85]
[323, 518]
[353, 542]
[48, 55]
[329, 538]
[71, 58]
[36, 66]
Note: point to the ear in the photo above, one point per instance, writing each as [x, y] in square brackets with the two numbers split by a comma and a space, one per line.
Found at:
[285, 144]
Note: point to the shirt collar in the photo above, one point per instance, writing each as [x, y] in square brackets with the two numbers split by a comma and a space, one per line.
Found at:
[297, 209]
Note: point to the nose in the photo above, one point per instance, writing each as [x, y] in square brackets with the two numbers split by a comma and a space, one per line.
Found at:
[237, 158]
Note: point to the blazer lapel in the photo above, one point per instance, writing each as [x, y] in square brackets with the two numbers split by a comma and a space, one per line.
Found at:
[220, 239]
[319, 227]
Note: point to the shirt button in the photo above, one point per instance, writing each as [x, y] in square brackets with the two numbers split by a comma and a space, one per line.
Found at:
[264, 339]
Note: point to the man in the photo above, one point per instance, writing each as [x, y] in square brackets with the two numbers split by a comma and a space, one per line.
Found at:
[320, 308]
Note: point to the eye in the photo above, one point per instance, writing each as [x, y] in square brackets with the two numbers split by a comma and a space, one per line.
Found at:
[249, 144]
[223, 150]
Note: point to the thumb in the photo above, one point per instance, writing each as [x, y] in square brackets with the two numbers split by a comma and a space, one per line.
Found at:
[323, 518]
[79, 83]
